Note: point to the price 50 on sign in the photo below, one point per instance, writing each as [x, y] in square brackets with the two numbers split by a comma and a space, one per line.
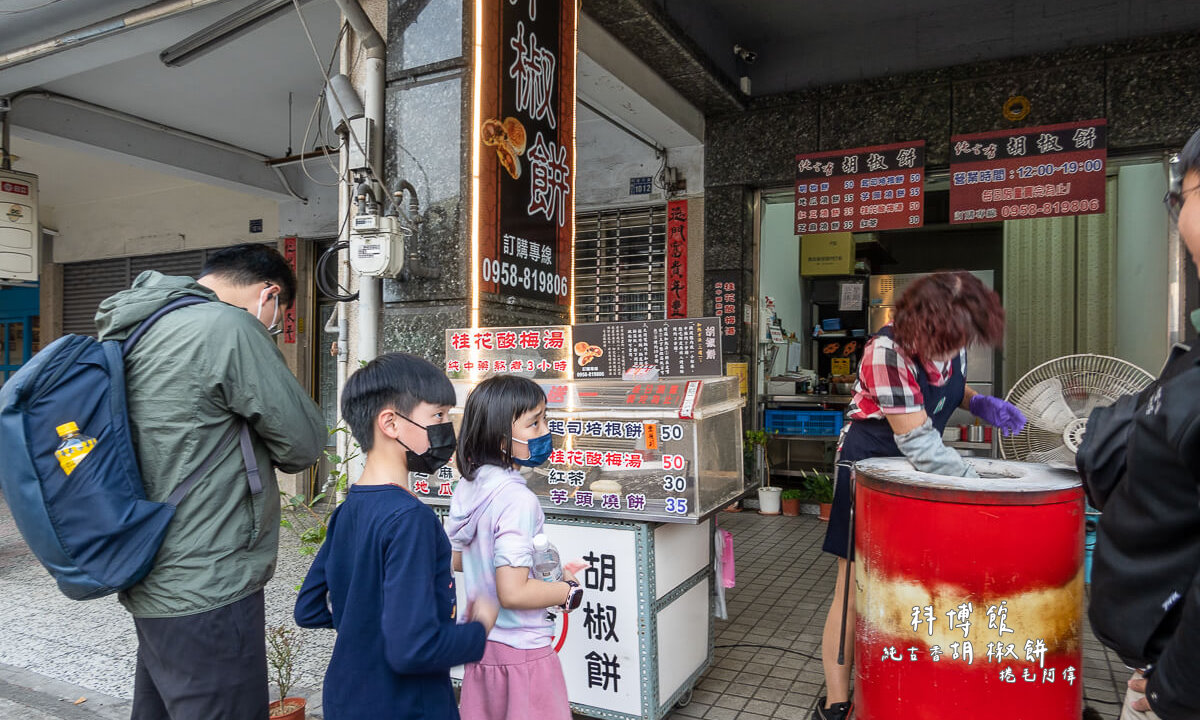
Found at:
[673, 462]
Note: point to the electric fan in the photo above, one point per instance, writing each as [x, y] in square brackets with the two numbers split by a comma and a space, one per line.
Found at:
[1058, 396]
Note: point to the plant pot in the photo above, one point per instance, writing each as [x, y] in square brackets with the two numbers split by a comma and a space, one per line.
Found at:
[826, 508]
[791, 506]
[768, 500]
[292, 709]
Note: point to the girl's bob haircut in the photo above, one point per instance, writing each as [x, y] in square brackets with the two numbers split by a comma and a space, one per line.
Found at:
[945, 312]
[485, 437]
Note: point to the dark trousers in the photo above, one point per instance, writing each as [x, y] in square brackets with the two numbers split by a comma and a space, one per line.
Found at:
[208, 666]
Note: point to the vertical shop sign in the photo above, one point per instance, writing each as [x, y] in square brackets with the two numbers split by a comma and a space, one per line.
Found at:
[864, 189]
[525, 141]
[599, 655]
[1037, 172]
[289, 315]
[677, 215]
[726, 294]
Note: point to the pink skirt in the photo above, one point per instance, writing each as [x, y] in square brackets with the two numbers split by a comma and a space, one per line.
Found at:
[512, 684]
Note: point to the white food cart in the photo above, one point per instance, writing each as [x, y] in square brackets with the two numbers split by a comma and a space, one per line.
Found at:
[638, 472]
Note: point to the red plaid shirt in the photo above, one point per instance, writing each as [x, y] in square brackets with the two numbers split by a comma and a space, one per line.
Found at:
[887, 381]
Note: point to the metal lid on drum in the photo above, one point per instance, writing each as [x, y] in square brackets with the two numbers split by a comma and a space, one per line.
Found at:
[1001, 482]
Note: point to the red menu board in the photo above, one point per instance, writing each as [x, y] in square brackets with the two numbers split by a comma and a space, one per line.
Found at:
[864, 189]
[677, 212]
[1046, 171]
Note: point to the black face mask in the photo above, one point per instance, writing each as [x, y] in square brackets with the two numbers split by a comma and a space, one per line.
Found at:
[441, 447]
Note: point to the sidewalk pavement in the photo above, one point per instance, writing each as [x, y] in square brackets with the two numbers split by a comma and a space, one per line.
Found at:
[54, 651]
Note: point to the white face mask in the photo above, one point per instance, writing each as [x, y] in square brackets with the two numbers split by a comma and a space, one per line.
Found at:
[273, 328]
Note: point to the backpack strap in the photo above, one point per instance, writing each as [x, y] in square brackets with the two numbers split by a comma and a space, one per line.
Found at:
[148, 322]
[253, 479]
[248, 459]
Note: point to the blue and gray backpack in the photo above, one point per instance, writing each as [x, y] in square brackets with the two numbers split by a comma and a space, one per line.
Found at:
[93, 530]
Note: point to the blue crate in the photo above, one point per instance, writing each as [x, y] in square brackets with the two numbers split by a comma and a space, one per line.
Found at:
[831, 324]
[803, 422]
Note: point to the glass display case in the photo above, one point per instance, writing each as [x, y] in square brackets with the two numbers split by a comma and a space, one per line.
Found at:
[661, 451]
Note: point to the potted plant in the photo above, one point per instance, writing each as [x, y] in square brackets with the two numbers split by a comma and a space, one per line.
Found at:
[790, 501]
[309, 517]
[820, 490]
[755, 450]
[283, 645]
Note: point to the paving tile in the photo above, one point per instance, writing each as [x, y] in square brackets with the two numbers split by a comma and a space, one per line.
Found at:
[762, 707]
[720, 713]
[742, 689]
[771, 694]
[791, 712]
[731, 701]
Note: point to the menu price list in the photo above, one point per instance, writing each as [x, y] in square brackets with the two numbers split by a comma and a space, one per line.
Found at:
[863, 189]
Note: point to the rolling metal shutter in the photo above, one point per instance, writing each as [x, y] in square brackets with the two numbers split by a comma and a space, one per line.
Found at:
[87, 284]
[620, 265]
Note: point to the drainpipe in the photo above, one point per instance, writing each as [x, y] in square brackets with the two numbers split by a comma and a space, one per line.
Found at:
[100, 30]
[370, 289]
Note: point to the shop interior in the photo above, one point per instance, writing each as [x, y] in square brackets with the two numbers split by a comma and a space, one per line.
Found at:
[1086, 284]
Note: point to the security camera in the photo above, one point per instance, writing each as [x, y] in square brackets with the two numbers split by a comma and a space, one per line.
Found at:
[747, 56]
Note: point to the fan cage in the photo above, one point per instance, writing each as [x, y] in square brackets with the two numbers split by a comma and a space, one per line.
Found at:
[1085, 382]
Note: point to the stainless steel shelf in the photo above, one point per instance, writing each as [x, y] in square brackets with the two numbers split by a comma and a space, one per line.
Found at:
[806, 399]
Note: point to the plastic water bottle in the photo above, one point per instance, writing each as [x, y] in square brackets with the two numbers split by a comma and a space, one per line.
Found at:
[546, 565]
[74, 446]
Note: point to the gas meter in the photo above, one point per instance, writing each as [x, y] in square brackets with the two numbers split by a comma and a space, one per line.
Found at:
[377, 245]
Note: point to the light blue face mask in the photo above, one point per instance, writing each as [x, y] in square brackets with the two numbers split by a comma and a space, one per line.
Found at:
[539, 450]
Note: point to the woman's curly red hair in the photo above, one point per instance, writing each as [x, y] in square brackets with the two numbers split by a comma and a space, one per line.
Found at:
[944, 312]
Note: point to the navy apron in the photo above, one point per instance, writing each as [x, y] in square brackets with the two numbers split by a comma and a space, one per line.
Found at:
[874, 438]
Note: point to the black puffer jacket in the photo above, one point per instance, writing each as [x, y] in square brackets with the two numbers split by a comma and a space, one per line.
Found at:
[1145, 601]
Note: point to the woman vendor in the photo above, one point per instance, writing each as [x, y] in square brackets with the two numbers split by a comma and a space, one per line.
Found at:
[910, 381]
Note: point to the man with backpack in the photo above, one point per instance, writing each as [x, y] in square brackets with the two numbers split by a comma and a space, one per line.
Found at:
[191, 381]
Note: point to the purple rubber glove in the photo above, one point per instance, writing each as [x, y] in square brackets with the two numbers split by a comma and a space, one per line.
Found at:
[997, 412]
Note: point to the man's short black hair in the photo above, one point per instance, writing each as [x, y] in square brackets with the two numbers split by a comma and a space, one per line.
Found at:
[253, 263]
[1189, 156]
[395, 381]
[485, 437]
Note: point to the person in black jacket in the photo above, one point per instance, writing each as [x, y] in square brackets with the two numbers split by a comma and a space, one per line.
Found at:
[1140, 462]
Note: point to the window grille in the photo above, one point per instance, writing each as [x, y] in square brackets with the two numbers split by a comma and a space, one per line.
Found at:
[620, 265]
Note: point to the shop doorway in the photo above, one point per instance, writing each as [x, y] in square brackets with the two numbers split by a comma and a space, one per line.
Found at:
[20, 334]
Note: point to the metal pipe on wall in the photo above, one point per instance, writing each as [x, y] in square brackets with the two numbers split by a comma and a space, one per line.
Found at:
[370, 289]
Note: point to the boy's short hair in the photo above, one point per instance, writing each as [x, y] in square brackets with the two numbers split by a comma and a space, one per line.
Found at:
[252, 263]
[485, 437]
[395, 381]
[1189, 156]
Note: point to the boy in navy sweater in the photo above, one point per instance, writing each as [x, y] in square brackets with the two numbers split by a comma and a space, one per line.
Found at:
[382, 578]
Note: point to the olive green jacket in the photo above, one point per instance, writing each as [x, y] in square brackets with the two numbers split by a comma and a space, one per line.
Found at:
[195, 373]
